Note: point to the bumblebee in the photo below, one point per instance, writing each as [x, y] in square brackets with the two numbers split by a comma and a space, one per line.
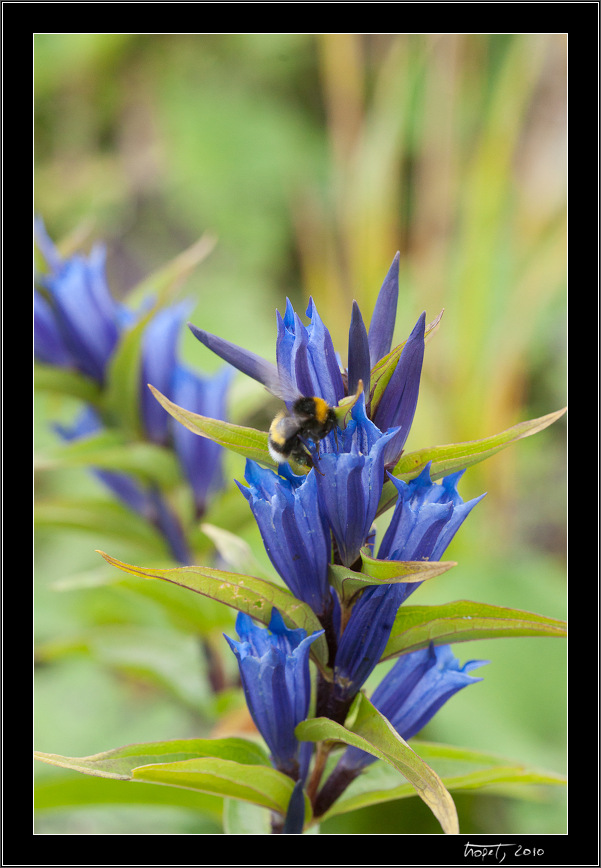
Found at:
[308, 419]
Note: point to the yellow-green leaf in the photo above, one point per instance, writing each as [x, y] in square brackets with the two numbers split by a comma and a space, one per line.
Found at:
[247, 594]
[371, 732]
[462, 621]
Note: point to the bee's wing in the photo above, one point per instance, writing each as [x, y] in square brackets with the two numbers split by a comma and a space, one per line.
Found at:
[279, 384]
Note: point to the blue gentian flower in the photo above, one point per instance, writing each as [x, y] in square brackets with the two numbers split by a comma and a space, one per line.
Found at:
[409, 696]
[306, 358]
[78, 325]
[274, 668]
[426, 517]
[294, 531]
[362, 643]
[349, 470]
[199, 457]
[76, 320]
[349, 481]
[146, 500]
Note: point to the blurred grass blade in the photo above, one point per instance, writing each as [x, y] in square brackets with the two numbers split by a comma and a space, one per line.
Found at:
[104, 516]
[255, 597]
[51, 379]
[165, 281]
[371, 732]
[463, 621]
[109, 450]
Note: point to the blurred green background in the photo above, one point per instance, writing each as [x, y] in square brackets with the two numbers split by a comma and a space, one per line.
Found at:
[312, 159]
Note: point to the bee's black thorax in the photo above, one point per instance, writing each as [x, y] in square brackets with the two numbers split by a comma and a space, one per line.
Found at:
[309, 418]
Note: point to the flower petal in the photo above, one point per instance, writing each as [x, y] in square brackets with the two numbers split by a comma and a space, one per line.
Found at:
[358, 353]
[381, 328]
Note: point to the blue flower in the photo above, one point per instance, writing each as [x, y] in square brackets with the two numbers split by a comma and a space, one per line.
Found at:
[199, 457]
[409, 696]
[274, 668]
[76, 320]
[294, 531]
[426, 517]
[306, 358]
[425, 520]
[78, 325]
[145, 500]
[350, 479]
[362, 642]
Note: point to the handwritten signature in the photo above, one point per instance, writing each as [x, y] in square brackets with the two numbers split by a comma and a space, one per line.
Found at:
[497, 852]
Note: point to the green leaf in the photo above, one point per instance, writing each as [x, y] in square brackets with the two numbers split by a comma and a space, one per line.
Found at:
[109, 450]
[462, 621]
[121, 763]
[371, 732]
[459, 769]
[95, 515]
[247, 594]
[244, 818]
[81, 791]
[121, 407]
[258, 784]
[457, 456]
[245, 441]
[348, 582]
[65, 382]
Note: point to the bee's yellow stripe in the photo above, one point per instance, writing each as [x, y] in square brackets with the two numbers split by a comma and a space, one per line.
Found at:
[321, 410]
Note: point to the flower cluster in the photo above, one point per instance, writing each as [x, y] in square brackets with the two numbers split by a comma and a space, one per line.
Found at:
[314, 522]
[78, 326]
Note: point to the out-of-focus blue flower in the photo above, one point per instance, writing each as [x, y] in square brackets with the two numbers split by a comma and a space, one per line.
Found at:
[294, 531]
[145, 500]
[274, 668]
[78, 325]
[200, 458]
[409, 696]
[76, 320]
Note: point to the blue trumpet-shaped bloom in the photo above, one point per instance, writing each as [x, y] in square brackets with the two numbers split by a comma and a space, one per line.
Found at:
[426, 517]
[416, 687]
[78, 325]
[294, 531]
[76, 320]
[306, 355]
[350, 480]
[307, 360]
[274, 668]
